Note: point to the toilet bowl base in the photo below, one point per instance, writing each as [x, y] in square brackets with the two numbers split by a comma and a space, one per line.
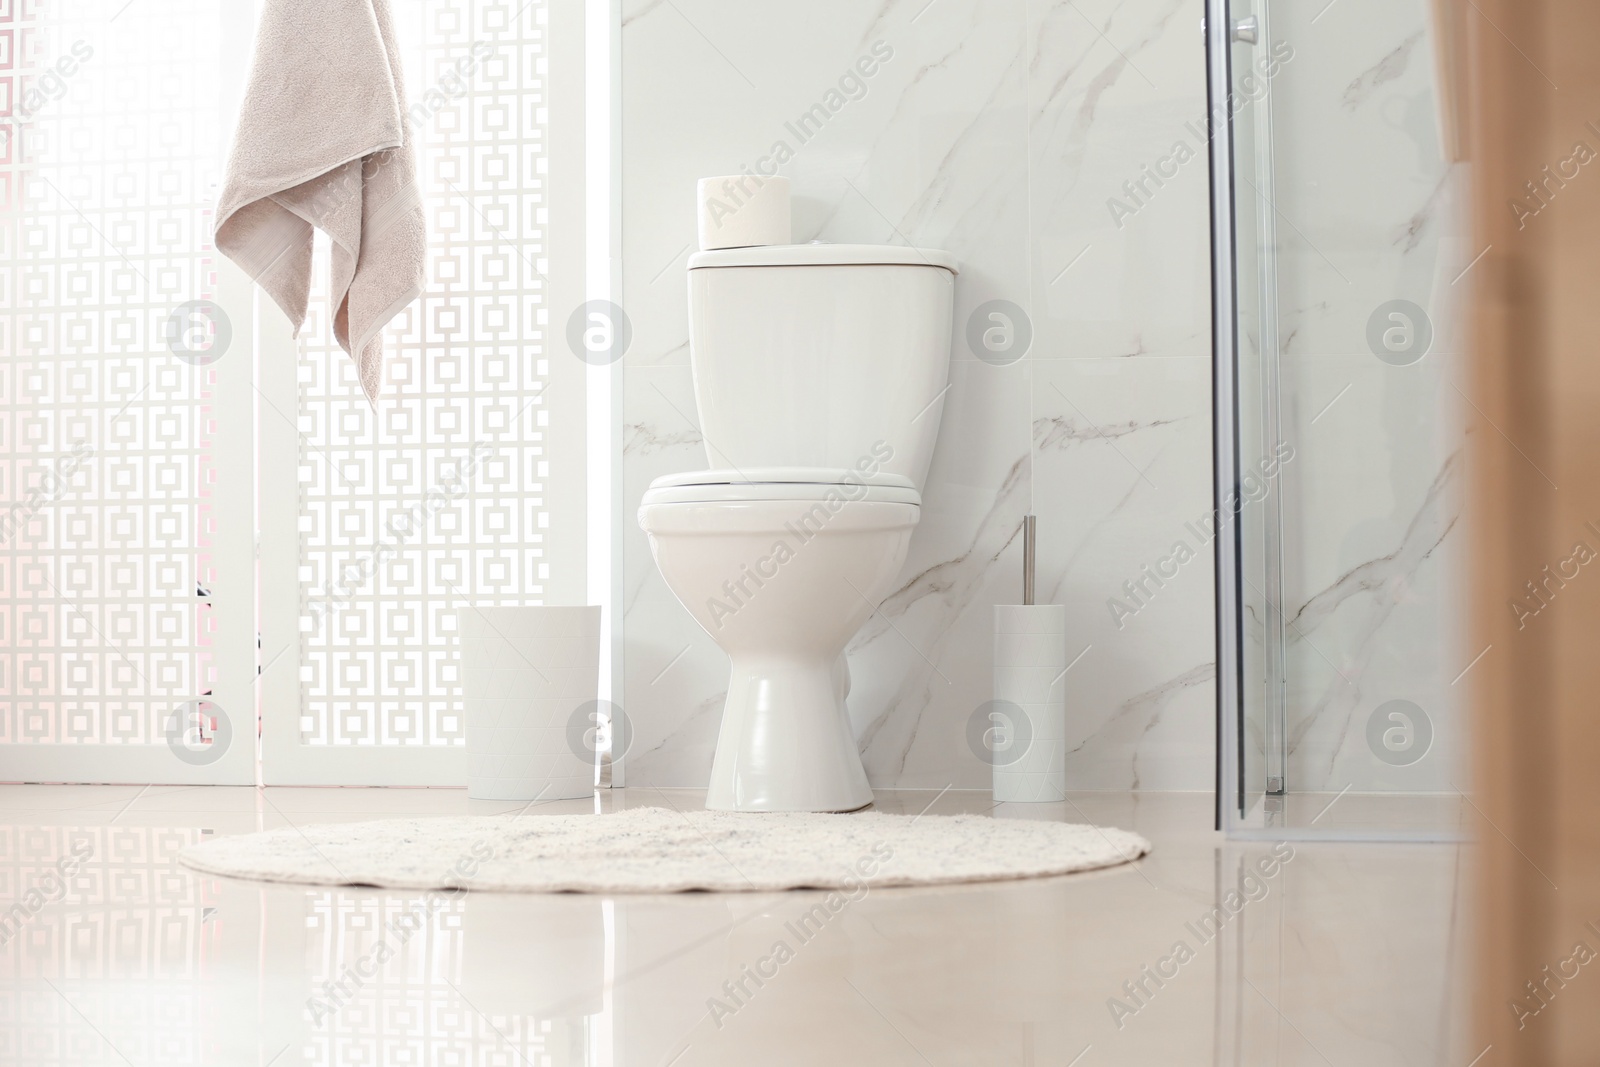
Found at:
[786, 743]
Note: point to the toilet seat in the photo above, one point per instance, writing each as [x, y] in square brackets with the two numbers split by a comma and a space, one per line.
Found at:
[780, 483]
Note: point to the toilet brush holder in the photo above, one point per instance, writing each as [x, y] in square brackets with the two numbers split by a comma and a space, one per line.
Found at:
[1029, 710]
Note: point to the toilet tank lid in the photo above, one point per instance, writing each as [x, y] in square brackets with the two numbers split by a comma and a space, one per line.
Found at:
[822, 254]
[784, 476]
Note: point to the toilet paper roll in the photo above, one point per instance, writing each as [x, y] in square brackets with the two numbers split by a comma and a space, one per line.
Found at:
[1030, 661]
[740, 210]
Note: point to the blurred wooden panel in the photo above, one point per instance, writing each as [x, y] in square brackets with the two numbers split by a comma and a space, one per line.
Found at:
[1447, 28]
[1533, 104]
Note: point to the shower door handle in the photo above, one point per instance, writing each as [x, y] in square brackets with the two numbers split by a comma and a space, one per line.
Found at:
[1247, 29]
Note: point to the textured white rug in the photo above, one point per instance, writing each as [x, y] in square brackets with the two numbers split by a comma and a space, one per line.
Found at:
[651, 850]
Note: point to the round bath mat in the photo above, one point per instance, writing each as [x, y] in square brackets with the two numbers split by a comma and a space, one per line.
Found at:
[656, 850]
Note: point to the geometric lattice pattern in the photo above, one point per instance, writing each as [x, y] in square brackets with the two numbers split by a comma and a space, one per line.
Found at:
[110, 152]
[121, 932]
[368, 1006]
[159, 935]
[136, 944]
[437, 497]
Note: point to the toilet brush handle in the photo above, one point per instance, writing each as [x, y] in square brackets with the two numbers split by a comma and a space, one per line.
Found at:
[1028, 523]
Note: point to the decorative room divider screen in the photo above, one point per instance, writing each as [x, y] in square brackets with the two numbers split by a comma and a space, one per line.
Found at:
[126, 586]
[193, 500]
[466, 484]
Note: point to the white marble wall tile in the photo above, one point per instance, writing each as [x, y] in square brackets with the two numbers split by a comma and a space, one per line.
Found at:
[1123, 453]
[1115, 88]
[935, 154]
[1004, 133]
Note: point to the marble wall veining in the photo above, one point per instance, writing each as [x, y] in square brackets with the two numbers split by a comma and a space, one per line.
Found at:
[1009, 134]
[997, 132]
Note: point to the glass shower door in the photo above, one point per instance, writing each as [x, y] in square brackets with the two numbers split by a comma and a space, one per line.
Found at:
[1338, 422]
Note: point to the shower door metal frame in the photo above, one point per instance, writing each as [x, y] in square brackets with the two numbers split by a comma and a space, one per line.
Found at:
[1274, 623]
[1233, 805]
[1225, 422]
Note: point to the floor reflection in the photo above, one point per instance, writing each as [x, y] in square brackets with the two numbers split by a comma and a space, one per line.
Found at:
[1348, 951]
[113, 954]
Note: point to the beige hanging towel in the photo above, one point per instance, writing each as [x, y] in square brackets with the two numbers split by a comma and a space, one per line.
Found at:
[323, 143]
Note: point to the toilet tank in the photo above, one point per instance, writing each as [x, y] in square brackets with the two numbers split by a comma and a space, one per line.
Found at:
[821, 355]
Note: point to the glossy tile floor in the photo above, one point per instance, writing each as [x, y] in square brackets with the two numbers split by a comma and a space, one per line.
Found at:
[1340, 954]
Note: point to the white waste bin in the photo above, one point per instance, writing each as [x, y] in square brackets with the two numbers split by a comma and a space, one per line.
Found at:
[530, 679]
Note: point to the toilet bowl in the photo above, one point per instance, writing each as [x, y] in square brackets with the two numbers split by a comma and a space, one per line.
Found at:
[781, 568]
[820, 373]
